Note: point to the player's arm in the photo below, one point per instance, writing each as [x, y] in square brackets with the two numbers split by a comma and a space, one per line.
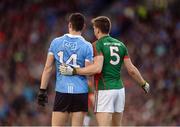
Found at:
[90, 78]
[42, 95]
[47, 71]
[94, 68]
[135, 74]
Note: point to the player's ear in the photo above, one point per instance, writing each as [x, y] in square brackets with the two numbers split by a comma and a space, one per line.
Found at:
[98, 30]
[84, 27]
[70, 25]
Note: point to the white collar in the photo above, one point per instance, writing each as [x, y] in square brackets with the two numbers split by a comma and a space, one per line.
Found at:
[74, 36]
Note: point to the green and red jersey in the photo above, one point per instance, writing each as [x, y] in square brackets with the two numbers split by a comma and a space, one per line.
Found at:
[114, 53]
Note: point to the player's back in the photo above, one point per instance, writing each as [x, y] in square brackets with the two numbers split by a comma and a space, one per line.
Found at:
[114, 52]
[73, 50]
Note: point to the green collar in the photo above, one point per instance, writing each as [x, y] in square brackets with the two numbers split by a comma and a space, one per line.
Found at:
[103, 37]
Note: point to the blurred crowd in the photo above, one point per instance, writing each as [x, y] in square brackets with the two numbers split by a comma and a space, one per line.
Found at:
[150, 30]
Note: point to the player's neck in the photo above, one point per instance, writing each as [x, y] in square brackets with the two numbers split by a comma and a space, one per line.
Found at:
[75, 32]
[102, 35]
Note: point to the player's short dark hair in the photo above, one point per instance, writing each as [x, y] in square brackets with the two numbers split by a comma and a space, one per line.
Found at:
[103, 23]
[77, 20]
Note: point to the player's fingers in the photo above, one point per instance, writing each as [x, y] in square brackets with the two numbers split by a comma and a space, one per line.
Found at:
[63, 72]
[63, 64]
[62, 68]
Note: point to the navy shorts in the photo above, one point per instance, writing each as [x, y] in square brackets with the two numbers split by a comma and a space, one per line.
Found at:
[65, 102]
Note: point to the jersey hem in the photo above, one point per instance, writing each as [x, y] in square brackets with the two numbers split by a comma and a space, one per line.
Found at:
[111, 88]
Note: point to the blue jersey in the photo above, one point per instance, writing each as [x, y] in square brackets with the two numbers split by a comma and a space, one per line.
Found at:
[73, 50]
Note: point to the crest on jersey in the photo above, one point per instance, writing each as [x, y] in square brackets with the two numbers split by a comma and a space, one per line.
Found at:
[70, 45]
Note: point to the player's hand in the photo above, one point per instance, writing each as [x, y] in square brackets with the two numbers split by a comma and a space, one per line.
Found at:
[67, 70]
[146, 87]
[42, 97]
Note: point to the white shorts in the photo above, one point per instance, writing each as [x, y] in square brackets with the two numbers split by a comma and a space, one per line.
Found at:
[110, 100]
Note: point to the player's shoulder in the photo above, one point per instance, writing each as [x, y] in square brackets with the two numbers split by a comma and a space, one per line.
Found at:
[122, 44]
[119, 41]
[57, 39]
[85, 43]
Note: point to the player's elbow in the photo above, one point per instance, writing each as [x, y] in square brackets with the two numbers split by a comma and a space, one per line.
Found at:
[132, 71]
[95, 70]
[98, 70]
[48, 69]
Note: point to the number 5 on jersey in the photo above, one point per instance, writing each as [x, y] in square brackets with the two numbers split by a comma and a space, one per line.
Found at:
[113, 53]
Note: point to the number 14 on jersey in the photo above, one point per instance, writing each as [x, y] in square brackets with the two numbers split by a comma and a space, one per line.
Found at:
[72, 60]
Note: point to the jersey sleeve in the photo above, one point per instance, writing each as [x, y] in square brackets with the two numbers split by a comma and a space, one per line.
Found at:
[97, 49]
[126, 54]
[89, 53]
[51, 49]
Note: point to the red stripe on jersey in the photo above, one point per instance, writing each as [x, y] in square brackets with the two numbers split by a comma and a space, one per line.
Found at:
[96, 79]
[95, 51]
[100, 54]
[125, 57]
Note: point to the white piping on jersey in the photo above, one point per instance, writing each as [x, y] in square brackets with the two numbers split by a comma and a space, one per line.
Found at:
[74, 36]
[78, 36]
[87, 60]
[50, 53]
